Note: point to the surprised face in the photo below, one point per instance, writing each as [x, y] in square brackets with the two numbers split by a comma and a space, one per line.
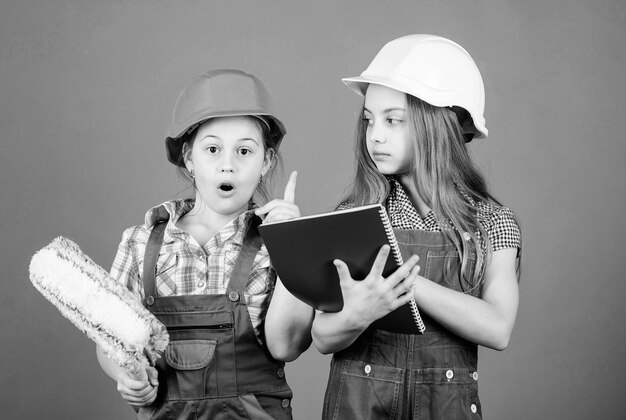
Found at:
[228, 158]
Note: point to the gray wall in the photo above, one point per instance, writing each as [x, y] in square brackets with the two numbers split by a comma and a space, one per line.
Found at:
[87, 89]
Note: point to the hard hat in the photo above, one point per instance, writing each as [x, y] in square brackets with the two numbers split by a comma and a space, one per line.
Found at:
[433, 69]
[220, 93]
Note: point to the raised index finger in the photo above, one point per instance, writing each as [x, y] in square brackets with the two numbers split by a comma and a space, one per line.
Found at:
[290, 189]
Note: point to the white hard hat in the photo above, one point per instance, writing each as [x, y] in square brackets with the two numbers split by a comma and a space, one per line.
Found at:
[431, 68]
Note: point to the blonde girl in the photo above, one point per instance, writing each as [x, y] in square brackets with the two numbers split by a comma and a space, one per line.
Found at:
[424, 101]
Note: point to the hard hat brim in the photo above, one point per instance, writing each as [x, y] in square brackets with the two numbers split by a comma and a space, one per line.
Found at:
[359, 85]
[174, 141]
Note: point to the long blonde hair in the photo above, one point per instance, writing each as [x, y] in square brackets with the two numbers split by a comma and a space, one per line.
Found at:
[444, 175]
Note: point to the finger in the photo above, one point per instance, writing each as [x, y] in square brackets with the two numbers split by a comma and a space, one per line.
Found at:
[403, 299]
[342, 271]
[267, 207]
[290, 189]
[379, 262]
[280, 214]
[260, 211]
[407, 285]
[153, 376]
[132, 385]
[402, 272]
[142, 401]
[406, 291]
[134, 391]
[404, 286]
[152, 396]
[139, 399]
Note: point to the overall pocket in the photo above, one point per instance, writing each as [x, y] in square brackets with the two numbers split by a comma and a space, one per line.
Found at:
[366, 391]
[190, 354]
[198, 341]
[191, 364]
[446, 393]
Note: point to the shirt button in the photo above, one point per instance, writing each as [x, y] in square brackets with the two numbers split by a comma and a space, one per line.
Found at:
[368, 369]
[200, 284]
[280, 373]
[473, 408]
[475, 376]
[233, 296]
[150, 300]
[449, 374]
[284, 403]
[466, 236]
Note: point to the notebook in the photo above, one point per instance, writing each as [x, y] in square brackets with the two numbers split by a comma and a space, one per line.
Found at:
[302, 251]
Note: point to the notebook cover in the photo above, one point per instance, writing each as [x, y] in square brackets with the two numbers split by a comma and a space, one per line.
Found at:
[302, 252]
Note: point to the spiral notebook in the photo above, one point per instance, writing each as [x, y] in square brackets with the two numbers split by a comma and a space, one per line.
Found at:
[303, 249]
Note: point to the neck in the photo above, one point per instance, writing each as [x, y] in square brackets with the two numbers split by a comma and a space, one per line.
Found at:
[408, 183]
[211, 221]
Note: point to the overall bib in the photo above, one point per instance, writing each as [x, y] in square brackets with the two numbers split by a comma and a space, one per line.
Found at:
[214, 366]
[386, 375]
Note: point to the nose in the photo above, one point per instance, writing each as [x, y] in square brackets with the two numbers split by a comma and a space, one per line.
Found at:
[226, 163]
[376, 133]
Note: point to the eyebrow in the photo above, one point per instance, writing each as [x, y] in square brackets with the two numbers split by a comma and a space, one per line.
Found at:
[385, 111]
[212, 136]
[248, 139]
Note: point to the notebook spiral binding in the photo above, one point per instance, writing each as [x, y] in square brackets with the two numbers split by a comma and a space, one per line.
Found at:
[398, 257]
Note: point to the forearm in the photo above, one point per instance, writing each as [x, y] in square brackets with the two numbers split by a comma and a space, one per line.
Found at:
[485, 323]
[287, 325]
[334, 331]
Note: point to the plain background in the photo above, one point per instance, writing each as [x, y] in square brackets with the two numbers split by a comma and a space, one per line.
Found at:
[86, 93]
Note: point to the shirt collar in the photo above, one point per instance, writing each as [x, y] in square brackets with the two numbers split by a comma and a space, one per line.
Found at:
[174, 208]
[401, 211]
[233, 230]
[398, 193]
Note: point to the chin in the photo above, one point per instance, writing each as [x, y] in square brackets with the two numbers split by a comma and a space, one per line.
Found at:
[385, 170]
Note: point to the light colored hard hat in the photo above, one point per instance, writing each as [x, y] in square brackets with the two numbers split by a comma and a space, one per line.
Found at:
[431, 68]
[220, 93]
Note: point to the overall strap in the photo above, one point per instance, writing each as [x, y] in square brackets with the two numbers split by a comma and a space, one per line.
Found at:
[151, 256]
[249, 249]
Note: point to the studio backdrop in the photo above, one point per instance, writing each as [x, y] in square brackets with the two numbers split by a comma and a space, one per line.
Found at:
[86, 93]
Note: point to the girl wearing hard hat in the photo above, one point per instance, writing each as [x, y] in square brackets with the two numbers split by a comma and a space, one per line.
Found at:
[424, 99]
[200, 265]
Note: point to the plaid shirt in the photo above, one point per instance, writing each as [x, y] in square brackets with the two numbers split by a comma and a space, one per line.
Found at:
[186, 268]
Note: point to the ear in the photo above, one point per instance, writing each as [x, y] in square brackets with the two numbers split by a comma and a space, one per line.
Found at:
[186, 152]
[268, 161]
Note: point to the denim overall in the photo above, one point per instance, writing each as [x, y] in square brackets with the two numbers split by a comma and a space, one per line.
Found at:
[386, 375]
[214, 367]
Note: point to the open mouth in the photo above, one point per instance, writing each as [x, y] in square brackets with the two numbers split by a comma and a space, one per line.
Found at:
[225, 187]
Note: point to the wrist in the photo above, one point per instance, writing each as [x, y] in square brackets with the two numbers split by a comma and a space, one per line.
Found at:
[355, 320]
[419, 285]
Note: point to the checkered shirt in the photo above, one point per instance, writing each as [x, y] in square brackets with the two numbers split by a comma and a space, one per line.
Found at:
[186, 268]
[499, 222]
